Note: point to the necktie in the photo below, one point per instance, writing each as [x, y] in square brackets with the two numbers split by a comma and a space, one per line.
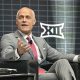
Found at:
[33, 48]
[40, 70]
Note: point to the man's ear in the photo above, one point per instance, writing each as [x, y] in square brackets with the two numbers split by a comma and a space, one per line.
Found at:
[34, 22]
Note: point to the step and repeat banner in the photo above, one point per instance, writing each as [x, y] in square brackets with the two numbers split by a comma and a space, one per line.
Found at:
[58, 21]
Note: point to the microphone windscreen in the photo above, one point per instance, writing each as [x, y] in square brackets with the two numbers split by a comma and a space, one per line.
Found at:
[30, 41]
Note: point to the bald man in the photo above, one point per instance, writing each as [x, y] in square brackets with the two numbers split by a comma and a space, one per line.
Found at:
[16, 46]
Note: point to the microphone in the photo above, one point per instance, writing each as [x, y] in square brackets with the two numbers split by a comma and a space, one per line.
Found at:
[30, 41]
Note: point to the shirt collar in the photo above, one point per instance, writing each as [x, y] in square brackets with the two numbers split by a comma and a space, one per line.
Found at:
[25, 36]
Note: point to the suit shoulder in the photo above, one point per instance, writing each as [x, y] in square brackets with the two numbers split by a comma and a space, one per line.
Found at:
[7, 35]
[40, 39]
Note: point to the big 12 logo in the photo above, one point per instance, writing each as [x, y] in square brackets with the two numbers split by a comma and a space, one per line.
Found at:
[52, 30]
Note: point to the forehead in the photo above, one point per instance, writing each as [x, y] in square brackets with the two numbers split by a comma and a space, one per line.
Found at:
[25, 11]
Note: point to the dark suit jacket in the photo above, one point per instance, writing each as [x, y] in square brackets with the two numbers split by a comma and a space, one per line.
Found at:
[9, 45]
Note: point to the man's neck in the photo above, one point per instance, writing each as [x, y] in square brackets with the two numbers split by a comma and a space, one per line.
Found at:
[25, 35]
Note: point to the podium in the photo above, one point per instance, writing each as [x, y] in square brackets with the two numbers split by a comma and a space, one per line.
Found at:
[18, 70]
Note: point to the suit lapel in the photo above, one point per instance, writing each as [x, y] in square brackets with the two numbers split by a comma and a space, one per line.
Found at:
[41, 49]
[18, 35]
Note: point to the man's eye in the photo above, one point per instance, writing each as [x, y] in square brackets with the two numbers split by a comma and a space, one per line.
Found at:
[28, 17]
[20, 17]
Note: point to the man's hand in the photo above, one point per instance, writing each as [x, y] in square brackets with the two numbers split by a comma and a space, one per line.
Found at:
[22, 48]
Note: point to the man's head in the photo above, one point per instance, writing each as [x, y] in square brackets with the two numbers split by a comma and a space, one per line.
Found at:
[25, 20]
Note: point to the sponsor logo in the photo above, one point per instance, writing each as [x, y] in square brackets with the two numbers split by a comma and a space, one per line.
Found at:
[52, 30]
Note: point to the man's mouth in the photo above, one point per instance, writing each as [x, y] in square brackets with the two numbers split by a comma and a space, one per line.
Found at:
[24, 25]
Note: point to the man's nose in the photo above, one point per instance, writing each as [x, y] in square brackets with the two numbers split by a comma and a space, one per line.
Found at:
[24, 19]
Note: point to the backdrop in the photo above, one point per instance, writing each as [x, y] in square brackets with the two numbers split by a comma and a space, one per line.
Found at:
[48, 12]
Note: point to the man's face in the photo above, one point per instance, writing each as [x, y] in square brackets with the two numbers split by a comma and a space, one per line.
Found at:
[25, 20]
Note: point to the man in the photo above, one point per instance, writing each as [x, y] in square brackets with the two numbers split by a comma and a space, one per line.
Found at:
[17, 46]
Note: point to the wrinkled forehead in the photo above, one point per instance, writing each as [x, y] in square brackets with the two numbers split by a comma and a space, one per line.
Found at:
[25, 10]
